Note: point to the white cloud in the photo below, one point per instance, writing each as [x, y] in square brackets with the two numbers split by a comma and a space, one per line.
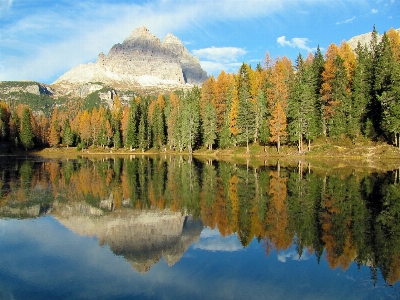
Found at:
[346, 21]
[300, 43]
[220, 54]
[374, 11]
[215, 59]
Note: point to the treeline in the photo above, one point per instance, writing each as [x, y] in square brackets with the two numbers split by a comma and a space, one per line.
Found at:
[345, 94]
[347, 216]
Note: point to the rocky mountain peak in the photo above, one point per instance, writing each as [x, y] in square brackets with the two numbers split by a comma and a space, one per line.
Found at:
[140, 61]
[171, 39]
[141, 33]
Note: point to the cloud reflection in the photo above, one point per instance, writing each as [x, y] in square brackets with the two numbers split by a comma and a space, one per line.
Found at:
[211, 240]
[293, 255]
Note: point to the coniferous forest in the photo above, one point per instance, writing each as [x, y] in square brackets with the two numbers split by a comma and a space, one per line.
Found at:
[343, 94]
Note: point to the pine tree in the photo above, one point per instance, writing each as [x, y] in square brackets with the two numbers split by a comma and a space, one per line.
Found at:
[26, 133]
[131, 140]
[340, 101]
[246, 111]
[209, 125]
[68, 137]
[302, 104]
[357, 118]
[142, 139]
[318, 67]
[374, 107]
[389, 91]
[190, 122]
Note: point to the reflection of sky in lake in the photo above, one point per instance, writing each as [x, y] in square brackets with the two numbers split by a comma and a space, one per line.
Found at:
[41, 259]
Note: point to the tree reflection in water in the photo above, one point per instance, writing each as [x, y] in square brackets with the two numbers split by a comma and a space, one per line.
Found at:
[350, 214]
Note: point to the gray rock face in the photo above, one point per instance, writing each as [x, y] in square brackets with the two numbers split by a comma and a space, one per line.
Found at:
[363, 39]
[141, 60]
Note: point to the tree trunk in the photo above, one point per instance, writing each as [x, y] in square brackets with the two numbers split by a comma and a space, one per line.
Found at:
[278, 143]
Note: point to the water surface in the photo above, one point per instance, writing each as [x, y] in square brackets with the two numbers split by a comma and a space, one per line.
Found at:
[178, 228]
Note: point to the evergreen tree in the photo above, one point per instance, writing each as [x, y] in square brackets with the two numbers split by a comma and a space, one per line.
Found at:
[158, 127]
[26, 133]
[68, 136]
[386, 88]
[262, 115]
[246, 110]
[302, 104]
[318, 67]
[117, 139]
[339, 102]
[142, 134]
[190, 122]
[209, 125]
[390, 101]
[132, 129]
[357, 119]
[374, 107]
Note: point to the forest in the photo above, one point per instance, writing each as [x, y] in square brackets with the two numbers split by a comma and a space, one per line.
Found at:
[344, 94]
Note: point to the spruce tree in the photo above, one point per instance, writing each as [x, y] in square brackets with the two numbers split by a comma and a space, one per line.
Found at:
[360, 98]
[246, 110]
[209, 125]
[340, 101]
[190, 122]
[318, 67]
[26, 133]
[389, 97]
[68, 136]
[302, 104]
[131, 135]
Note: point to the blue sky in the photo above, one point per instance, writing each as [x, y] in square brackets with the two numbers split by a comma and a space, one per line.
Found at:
[42, 39]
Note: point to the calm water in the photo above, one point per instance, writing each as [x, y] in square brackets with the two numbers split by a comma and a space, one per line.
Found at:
[173, 228]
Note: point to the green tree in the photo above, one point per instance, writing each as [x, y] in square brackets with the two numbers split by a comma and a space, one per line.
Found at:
[209, 125]
[68, 136]
[302, 104]
[132, 130]
[26, 133]
[340, 101]
[190, 121]
[318, 67]
[360, 96]
[246, 111]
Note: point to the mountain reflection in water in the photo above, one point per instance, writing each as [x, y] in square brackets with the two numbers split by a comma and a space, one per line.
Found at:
[149, 208]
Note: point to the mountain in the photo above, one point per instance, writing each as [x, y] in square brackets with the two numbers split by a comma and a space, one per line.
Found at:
[363, 39]
[141, 61]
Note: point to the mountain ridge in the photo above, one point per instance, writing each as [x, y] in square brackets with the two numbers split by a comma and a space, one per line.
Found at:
[141, 60]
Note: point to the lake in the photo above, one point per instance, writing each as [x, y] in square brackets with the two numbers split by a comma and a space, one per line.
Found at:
[171, 227]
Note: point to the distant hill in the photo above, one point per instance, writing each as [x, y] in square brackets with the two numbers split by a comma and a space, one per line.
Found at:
[38, 96]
